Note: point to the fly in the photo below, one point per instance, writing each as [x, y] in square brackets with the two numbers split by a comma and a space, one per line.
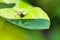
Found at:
[20, 14]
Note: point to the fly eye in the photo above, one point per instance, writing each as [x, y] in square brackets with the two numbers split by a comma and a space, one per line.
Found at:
[20, 14]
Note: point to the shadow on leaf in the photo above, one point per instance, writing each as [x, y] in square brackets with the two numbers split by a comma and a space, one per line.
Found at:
[5, 5]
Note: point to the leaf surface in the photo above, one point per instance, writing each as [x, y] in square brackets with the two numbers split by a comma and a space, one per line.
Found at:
[34, 17]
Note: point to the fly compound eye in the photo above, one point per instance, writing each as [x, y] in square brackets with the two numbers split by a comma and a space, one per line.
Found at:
[20, 14]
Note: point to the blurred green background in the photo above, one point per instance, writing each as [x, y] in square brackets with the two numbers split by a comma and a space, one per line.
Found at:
[52, 8]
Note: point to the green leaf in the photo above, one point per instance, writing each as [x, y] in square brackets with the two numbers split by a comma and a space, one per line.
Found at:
[9, 1]
[34, 17]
